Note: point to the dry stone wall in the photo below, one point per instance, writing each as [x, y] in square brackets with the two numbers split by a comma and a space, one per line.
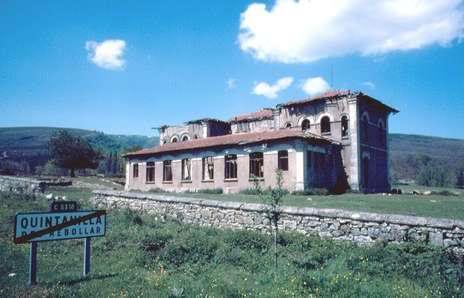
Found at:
[359, 227]
[22, 185]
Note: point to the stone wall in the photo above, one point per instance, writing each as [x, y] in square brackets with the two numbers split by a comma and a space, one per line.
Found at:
[359, 227]
[22, 185]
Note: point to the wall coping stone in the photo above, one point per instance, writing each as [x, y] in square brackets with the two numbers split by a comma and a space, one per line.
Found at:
[289, 210]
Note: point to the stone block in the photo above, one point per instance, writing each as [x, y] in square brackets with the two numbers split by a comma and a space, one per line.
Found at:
[436, 238]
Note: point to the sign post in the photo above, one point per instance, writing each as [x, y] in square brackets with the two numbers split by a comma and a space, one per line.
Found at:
[33, 264]
[63, 222]
[87, 256]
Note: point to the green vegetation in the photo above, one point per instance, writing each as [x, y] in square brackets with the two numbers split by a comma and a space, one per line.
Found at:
[434, 161]
[27, 148]
[441, 203]
[73, 153]
[23, 149]
[145, 256]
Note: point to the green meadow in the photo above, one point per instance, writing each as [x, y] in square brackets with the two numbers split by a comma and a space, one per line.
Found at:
[152, 256]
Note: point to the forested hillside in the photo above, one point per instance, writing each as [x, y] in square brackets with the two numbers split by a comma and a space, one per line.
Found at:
[411, 156]
[26, 148]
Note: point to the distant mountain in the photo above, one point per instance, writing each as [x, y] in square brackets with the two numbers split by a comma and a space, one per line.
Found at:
[30, 144]
[407, 152]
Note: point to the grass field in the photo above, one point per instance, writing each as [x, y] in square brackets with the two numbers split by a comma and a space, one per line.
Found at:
[144, 256]
[440, 206]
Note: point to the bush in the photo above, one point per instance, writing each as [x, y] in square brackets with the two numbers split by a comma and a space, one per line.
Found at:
[312, 191]
[433, 175]
[156, 190]
[444, 193]
[215, 191]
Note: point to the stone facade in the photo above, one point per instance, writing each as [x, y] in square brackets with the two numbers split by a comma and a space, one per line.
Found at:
[359, 227]
[355, 122]
[22, 185]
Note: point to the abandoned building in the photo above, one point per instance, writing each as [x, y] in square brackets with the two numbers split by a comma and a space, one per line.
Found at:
[336, 141]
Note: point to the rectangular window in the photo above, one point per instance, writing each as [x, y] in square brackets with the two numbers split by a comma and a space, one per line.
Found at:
[186, 169]
[167, 171]
[230, 166]
[208, 168]
[282, 157]
[256, 165]
[150, 171]
[135, 170]
[244, 126]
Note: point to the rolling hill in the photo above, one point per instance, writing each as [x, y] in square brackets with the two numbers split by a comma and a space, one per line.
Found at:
[407, 152]
[30, 144]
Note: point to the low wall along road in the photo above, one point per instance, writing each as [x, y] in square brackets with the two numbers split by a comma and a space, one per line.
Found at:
[359, 227]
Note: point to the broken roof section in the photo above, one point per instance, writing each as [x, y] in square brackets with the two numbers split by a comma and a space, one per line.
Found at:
[334, 94]
[266, 113]
[232, 140]
[203, 120]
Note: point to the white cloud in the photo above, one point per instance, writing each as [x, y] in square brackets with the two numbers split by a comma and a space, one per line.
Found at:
[368, 84]
[107, 54]
[315, 86]
[231, 83]
[271, 91]
[293, 31]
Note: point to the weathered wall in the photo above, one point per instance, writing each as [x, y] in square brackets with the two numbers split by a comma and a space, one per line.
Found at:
[22, 185]
[359, 227]
[270, 156]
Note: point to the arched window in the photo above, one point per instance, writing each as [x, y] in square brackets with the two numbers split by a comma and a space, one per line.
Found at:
[344, 126]
[325, 125]
[174, 140]
[365, 128]
[305, 125]
[195, 137]
[185, 138]
[288, 125]
[164, 141]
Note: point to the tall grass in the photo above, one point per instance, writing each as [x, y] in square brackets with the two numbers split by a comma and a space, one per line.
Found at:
[146, 256]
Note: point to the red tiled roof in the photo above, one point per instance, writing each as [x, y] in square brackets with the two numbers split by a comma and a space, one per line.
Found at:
[258, 115]
[326, 95]
[230, 140]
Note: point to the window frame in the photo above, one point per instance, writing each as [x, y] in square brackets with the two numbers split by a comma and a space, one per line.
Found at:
[206, 174]
[305, 127]
[282, 160]
[230, 167]
[150, 167]
[186, 163]
[325, 130]
[256, 169]
[345, 133]
[135, 170]
[167, 165]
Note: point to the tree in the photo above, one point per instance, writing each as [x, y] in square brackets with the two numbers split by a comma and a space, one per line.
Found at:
[72, 152]
[460, 178]
[273, 200]
[434, 175]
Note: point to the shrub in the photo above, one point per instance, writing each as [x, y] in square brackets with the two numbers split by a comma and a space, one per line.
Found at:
[215, 191]
[312, 191]
[156, 190]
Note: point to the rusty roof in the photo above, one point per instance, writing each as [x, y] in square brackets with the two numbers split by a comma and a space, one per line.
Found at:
[232, 140]
[265, 113]
[325, 95]
[335, 94]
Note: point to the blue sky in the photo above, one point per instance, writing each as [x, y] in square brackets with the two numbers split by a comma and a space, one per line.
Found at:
[174, 61]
